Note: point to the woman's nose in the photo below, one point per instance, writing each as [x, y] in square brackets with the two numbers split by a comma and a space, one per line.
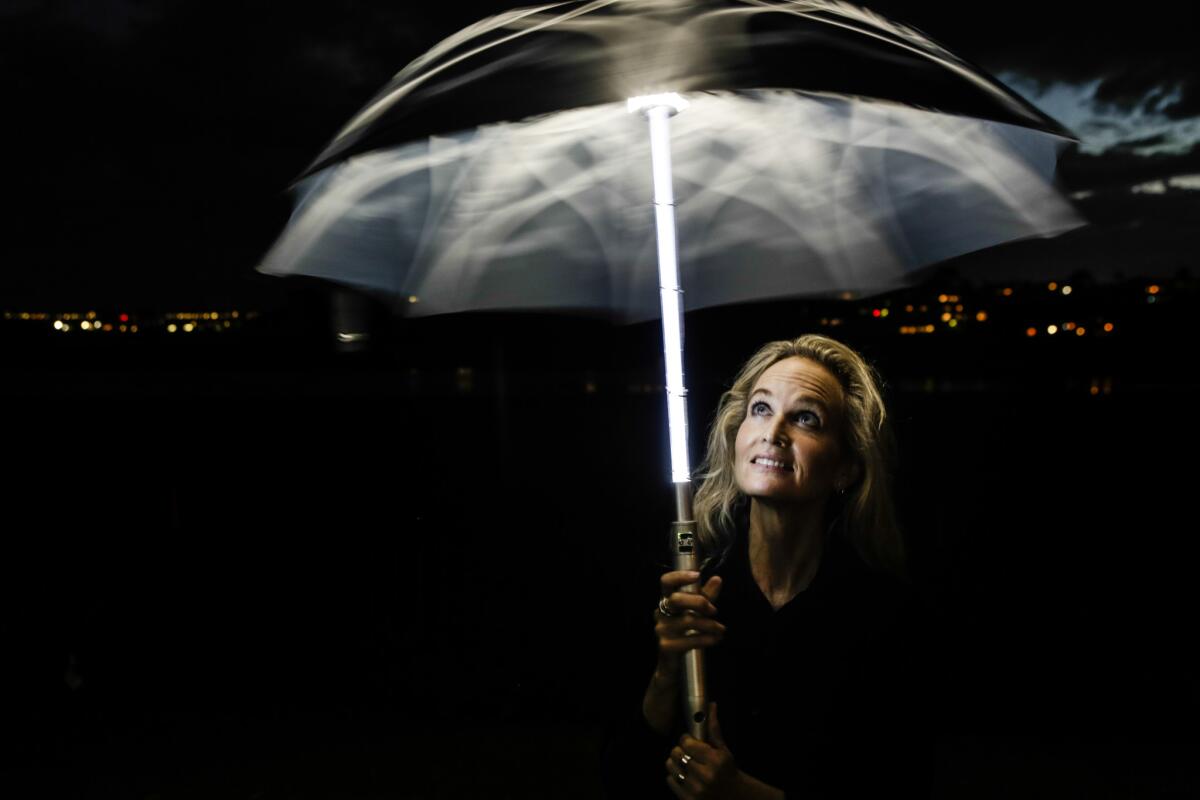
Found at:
[776, 433]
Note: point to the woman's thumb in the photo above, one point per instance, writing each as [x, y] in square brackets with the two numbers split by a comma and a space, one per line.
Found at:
[714, 727]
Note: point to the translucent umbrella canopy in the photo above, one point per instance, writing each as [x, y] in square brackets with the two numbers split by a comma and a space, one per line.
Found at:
[778, 193]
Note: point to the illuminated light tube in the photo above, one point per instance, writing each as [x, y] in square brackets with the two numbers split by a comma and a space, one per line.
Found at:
[658, 109]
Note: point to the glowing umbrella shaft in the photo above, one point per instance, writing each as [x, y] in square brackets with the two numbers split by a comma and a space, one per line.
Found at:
[671, 295]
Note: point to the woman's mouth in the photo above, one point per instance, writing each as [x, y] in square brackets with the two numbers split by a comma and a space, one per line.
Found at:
[771, 464]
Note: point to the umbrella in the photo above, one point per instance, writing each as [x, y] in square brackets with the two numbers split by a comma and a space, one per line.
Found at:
[794, 148]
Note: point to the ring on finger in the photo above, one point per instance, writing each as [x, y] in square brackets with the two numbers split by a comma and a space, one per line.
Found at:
[680, 777]
[686, 758]
[664, 607]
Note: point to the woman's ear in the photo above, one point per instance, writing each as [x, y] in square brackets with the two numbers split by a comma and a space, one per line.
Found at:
[849, 475]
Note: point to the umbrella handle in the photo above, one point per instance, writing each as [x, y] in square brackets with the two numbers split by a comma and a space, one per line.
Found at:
[695, 704]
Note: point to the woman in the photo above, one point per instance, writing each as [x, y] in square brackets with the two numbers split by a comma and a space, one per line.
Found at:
[806, 663]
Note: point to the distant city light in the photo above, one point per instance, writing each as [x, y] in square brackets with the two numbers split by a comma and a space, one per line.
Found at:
[1031, 331]
[908, 308]
[876, 313]
[412, 298]
[171, 328]
[981, 316]
[123, 317]
[1066, 290]
[58, 325]
[1068, 326]
[953, 323]
[1152, 289]
[1108, 327]
[1007, 291]
[945, 316]
[1151, 299]
[85, 325]
[958, 307]
[1080, 331]
[943, 298]
[883, 312]
[1051, 329]
[1095, 390]
[188, 327]
[1052, 286]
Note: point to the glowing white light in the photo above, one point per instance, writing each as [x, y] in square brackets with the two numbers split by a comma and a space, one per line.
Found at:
[670, 100]
[670, 294]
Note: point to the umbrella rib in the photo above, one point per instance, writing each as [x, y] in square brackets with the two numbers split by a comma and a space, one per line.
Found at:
[389, 96]
[949, 63]
[517, 213]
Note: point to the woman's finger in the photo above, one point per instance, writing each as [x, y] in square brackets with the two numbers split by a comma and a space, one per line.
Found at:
[714, 727]
[672, 581]
[680, 602]
[676, 627]
[688, 643]
[712, 588]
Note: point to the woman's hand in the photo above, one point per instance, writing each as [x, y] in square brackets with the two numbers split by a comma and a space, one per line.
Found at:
[708, 770]
[690, 624]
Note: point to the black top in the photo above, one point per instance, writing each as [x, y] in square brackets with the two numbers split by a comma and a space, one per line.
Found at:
[823, 697]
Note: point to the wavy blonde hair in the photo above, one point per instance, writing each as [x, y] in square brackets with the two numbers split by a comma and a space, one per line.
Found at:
[865, 515]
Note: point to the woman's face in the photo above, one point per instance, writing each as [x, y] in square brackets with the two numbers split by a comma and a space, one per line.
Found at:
[788, 447]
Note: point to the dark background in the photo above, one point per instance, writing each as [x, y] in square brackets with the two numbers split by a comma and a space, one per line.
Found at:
[258, 566]
[257, 563]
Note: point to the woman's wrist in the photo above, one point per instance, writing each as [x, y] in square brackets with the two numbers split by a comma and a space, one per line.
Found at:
[747, 787]
[665, 677]
[661, 698]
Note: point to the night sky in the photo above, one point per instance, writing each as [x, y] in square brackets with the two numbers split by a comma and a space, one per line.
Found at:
[151, 143]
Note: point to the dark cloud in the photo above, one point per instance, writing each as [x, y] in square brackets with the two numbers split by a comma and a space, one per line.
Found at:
[1095, 126]
[1121, 168]
[1144, 142]
[1141, 87]
[1141, 57]
[1188, 104]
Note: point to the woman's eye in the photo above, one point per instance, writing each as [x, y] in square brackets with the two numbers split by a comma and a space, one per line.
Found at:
[808, 418]
[759, 408]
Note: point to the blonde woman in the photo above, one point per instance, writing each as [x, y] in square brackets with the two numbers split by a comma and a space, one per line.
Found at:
[802, 589]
